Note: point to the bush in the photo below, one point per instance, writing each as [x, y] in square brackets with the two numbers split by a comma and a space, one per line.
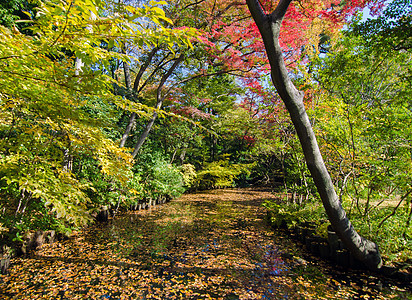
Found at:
[393, 237]
[158, 176]
[220, 174]
[291, 215]
[189, 174]
[166, 180]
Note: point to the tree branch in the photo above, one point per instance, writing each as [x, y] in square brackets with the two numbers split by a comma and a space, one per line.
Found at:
[280, 10]
[143, 68]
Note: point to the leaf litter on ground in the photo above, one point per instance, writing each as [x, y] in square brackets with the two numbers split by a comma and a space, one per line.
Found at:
[206, 245]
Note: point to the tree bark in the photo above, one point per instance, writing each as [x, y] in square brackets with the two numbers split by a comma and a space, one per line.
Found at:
[129, 126]
[269, 27]
[142, 69]
[136, 90]
[128, 82]
[159, 103]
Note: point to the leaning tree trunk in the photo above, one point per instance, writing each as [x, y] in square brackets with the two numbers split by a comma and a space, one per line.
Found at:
[128, 81]
[159, 103]
[134, 91]
[269, 27]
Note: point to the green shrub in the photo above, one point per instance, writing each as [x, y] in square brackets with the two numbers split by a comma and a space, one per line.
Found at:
[282, 215]
[220, 174]
[166, 180]
[158, 177]
[189, 174]
[291, 215]
[394, 237]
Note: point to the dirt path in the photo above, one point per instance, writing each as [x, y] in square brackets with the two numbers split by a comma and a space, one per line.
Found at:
[211, 245]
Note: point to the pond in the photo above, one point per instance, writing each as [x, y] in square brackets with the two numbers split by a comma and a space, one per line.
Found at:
[206, 245]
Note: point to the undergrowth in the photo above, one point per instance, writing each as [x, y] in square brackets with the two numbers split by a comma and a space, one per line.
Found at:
[393, 236]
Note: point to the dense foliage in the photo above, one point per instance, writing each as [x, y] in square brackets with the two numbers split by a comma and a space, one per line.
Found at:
[112, 104]
[59, 158]
[361, 110]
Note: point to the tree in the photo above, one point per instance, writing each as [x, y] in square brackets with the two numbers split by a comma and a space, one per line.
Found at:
[11, 11]
[364, 93]
[269, 25]
[218, 51]
[391, 30]
[50, 106]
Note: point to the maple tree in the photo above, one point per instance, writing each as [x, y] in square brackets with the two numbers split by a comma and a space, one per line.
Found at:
[215, 53]
[269, 25]
[53, 109]
[219, 51]
[391, 30]
[364, 97]
[230, 43]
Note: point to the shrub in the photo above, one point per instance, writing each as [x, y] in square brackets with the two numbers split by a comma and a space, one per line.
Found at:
[189, 174]
[166, 180]
[159, 177]
[393, 237]
[220, 174]
[291, 215]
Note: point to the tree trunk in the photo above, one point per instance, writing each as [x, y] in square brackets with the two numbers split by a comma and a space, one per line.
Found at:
[132, 119]
[159, 103]
[136, 90]
[182, 157]
[269, 27]
[129, 126]
[145, 133]
[127, 77]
